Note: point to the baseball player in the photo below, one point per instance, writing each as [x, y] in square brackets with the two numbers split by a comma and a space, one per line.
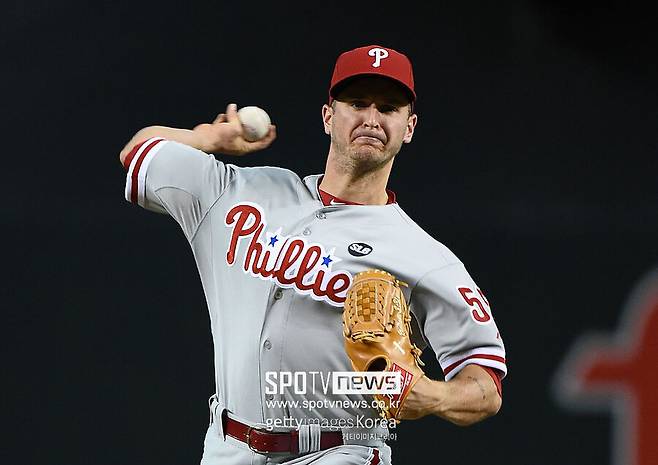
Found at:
[277, 255]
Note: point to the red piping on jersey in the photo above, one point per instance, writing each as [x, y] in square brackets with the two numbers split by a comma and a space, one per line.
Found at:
[484, 356]
[375, 457]
[131, 154]
[326, 198]
[128, 160]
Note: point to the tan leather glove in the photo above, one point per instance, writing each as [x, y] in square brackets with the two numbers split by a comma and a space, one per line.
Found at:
[377, 334]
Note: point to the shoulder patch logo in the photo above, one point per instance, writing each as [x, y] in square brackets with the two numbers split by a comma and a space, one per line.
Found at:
[359, 249]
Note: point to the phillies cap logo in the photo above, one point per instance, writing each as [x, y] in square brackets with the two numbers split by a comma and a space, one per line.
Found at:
[379, 54]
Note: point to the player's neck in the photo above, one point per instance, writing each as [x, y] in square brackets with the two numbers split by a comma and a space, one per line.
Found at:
[368, 188]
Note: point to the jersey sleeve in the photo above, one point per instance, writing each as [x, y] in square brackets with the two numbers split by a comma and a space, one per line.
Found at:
[172, 178]
[456, 320]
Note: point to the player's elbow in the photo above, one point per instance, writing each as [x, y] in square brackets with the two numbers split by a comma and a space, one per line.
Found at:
[124, 154]
[484, 411]
[494, 406]
[140, 136]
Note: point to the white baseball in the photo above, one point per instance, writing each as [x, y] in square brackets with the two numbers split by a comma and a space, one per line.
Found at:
[255, 123]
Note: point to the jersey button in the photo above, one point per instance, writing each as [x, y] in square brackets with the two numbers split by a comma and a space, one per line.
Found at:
[306, 231]
[268, 344]
[278, 294]
[270, 397]
[321, 215]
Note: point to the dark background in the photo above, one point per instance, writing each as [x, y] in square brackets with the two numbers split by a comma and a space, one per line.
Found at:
[534, 160]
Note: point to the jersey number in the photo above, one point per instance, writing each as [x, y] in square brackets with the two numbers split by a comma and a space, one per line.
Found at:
[478, 310]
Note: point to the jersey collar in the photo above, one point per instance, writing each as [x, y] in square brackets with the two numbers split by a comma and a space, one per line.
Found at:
[328, 199]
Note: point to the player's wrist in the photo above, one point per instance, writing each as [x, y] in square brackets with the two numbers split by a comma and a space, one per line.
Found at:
[202, 138]
[436, 398]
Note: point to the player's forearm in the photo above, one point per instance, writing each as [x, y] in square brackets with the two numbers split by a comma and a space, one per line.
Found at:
[225, 135]
[468, 398]
[185, 136]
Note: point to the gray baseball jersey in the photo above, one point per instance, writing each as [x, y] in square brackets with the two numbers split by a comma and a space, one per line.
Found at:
[276, 264]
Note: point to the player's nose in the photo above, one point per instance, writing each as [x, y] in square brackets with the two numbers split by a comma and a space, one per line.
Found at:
[372, 116]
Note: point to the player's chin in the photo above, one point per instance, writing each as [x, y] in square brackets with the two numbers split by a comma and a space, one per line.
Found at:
[368, 159]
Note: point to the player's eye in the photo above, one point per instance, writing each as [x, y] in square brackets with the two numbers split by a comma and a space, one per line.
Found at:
[388, 108]
[359, 104]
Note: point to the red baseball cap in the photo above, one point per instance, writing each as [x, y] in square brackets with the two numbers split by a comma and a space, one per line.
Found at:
[373, 60]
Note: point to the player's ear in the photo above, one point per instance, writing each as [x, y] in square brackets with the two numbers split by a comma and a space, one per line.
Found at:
[327, 114]
[411, 127]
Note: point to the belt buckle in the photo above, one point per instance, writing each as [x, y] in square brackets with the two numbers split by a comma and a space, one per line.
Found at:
[258, 451]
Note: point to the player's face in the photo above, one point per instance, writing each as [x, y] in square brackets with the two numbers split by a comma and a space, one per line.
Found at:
[369, 121]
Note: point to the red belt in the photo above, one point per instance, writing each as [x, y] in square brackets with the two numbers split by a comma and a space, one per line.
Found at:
[264, 442]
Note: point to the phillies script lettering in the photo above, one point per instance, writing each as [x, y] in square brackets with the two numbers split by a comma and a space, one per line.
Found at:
[290, 261]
